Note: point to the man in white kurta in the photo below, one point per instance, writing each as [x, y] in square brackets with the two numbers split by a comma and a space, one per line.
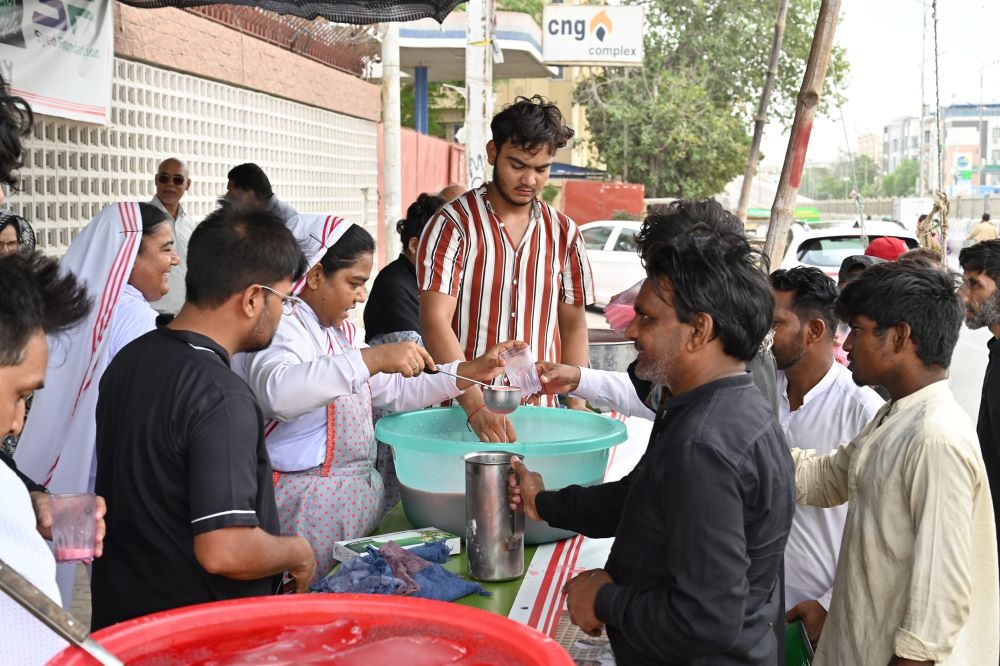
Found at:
[833, 412]
[917, 577]
[819, 407]
[917, 574]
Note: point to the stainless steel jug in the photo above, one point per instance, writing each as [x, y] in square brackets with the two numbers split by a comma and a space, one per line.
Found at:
[494, 534]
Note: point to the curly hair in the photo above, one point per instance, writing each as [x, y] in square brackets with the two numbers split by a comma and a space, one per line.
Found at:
[35, 295]
[530, 123]
[701, 249]
[417, 215]
[16, 121]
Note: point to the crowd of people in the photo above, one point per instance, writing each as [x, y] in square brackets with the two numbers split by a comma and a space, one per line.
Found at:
[807, 459]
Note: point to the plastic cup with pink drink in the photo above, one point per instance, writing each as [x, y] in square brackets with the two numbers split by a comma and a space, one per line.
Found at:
[74, 526]
[519, 366]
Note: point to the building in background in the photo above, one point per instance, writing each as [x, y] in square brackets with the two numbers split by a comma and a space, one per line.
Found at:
[900, 142]
[870, 145]
[971, 142]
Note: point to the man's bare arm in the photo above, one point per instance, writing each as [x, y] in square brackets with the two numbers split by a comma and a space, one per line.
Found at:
[436, 313]
[250, 553]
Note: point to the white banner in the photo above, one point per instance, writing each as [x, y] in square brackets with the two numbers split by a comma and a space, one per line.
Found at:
[58, 55]
[592, 35]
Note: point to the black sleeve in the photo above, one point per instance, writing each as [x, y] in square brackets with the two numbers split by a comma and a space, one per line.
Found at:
[31, 485]
[393, 304]
[593, 511]
[702, 609]
[222, 464]
[764, 373]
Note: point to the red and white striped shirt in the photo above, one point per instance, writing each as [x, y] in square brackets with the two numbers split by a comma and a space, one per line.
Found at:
[504, 293]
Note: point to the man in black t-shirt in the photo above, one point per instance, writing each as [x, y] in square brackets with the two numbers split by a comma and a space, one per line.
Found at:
[180, 439]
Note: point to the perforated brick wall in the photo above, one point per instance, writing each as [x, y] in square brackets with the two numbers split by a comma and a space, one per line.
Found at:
[317, 160]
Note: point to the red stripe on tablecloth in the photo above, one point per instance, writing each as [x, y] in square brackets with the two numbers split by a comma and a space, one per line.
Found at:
[555, 610]
[543, 590]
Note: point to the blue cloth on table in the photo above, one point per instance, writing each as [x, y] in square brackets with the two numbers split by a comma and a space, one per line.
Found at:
[392, 570]
[362, 575]
[436, 582]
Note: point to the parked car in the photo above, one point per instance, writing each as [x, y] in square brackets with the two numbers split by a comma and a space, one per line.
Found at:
[612, 253]
[611, 249]
[826, 245]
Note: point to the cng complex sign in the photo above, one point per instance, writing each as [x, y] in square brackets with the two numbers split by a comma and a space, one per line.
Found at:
[592, 35]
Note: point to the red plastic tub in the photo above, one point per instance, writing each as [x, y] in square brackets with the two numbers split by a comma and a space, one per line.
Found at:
[336, 629]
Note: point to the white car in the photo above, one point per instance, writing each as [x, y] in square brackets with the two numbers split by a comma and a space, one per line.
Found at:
[611, 249]
[612, 253]
[826, 245]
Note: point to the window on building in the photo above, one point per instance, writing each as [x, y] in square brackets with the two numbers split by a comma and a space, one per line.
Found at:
[995, 158]
[996, 134]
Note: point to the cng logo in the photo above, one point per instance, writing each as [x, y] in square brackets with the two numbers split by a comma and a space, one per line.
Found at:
[601, 25]
[598, 35]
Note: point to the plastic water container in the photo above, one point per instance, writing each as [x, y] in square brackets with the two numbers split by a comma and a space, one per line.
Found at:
[323, 629]
[565, 446]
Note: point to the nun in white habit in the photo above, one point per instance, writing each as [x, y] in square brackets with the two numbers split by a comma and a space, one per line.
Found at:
[123, 256]
[318, 382]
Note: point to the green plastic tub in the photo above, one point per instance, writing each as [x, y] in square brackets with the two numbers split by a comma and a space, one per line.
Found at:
[565, 446]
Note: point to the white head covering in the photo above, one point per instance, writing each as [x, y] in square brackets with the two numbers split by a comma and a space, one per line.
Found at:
[57, 445]
[316, 233]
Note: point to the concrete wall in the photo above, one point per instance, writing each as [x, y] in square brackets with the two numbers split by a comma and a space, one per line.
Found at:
[185, 42]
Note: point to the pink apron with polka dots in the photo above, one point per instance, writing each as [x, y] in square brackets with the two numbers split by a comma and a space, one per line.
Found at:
[342, 498]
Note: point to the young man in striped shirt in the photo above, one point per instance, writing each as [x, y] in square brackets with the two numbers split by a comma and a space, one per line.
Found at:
[498, 264]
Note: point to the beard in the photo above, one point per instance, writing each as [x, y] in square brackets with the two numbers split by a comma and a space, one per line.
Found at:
[262, 333]
[787, 356]
[987, 314]
[504, 191]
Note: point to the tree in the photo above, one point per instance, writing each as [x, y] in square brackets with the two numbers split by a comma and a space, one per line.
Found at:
[437, 98]
[837, 181]
[903, 181]
[532, 7]
[681, 123]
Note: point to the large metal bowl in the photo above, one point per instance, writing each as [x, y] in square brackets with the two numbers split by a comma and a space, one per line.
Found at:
[609, 350]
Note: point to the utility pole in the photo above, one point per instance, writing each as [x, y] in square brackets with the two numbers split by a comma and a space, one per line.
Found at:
[392, 152]
[761, 117]
[783, 209]
[478, 87]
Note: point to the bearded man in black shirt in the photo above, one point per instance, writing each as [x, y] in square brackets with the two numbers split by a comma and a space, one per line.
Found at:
[700, 524]
[180, 438]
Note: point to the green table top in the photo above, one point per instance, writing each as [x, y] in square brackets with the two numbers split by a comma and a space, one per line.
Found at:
[502, 595]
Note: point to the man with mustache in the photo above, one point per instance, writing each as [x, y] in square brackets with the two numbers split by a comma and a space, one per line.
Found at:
[172, 183]
[498, 264]
[981, 272]
[700, 524]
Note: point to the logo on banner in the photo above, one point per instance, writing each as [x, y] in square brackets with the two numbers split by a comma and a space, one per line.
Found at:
[58, 55]
[600, 25]
[11, 16]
